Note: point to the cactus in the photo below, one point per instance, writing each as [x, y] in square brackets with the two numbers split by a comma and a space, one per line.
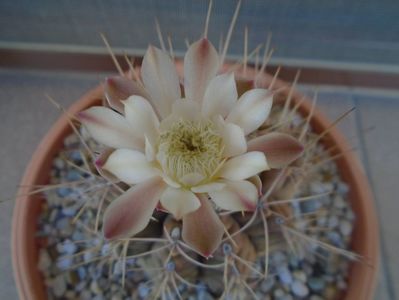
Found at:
[198, 184]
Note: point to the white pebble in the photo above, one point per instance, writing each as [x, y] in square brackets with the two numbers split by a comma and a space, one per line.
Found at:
[345, 227]
[58, 286]
[44, 260]
[299, 289]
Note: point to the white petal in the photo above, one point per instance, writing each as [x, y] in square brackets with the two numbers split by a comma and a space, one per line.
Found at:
[110, 128]
[251, 110]
[233, 139]
[201, 63]
[236, 196]
[208, 187]
[169, 181]
[191, 179]
[244, 166]
[149, 150]
[130, 166]
[140, 115]
[186, 109]
[179, 202]
[160, 80]
[220, 96]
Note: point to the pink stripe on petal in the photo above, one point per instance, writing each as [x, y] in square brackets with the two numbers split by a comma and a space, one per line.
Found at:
[201, 64]
[120, 88]
[131, 212]
[280, 149]
[202, 229]
[236, 196]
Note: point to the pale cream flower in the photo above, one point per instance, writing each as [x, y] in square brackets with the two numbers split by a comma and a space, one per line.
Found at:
[182, 150]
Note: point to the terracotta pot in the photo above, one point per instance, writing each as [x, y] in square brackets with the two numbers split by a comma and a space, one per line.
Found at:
[25, 246]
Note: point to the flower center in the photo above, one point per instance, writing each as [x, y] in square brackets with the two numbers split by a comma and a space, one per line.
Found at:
[190, 147]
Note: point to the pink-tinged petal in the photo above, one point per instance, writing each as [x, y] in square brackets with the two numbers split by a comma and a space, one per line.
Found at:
[191, 179]
[202, 229]
[100, 162]
[244, 166]
[208, 187]
[251, 110]
[119, 88]
[233, 139]
[280, 149]
[201, 64]
[236, 196]
[140, 114]
[220, 96]
[110, 128]
[257, 182]
[160, 80]
[179, 202]
[130, 166]
[131, 212]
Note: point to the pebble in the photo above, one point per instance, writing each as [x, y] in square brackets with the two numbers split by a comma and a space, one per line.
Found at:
[300, 275]
[94, 288]
[73, 175]
[299, 289]
[58, 285]
[64, 191]
[64, 263]
[284, 275]
[267, 284]
[316, 284]
[345, 227]
[67, 247]
[44, 260]
[278, 293]
[309, 206]
[333, 221]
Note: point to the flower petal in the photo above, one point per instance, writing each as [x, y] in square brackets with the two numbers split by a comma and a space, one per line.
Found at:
[191, 179]
[149, 150]
[160, 79]
[244, 166]
[236, 196]
[251, 110]
[208, 187]
[233, 139]
[220, 96]
[202, 229]
[140, 114]
[201, 64]
[186, 109]
[179, 202]
[130, 166]
[110, 128]
[100, 162]
[118, 88]
[131, 212]
[280, 149]
[257, 182]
